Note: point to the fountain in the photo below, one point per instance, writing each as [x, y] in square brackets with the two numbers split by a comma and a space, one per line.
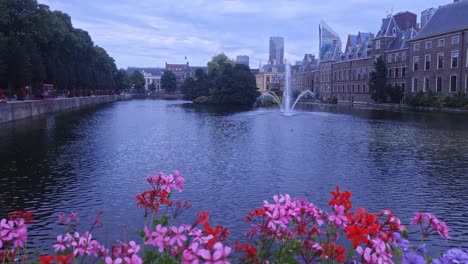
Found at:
[285, 104]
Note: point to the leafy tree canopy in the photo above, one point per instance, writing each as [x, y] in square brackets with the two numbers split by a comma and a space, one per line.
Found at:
[169, 81]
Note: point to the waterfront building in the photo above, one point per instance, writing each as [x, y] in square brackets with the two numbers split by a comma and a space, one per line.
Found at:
[181, 72]
[243, 59]
[303, 74]
[276, 52]
[151, 75]
[270, 77]
[325, 80]
[328, 39]
[351, 73]
[438, 54]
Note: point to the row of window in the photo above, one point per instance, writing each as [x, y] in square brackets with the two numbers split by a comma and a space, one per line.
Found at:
[440, 43]
[453, 85]
[440, 61]
[350, 89]
[397, 72]
[396, 57]
[352, 74]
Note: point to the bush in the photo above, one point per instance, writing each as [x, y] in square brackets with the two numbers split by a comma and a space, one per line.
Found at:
[202, 100]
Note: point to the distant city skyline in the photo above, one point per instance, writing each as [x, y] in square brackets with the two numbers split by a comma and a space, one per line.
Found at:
[149, 33]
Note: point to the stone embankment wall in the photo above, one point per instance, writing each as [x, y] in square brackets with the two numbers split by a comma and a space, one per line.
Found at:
[18, 110]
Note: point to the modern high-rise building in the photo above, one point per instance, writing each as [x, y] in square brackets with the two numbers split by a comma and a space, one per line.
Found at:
[327, 38]
[426, 15]
[242, 59]
[276, 50]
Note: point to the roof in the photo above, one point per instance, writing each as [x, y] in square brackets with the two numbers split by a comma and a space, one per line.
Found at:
[332, 54]
[389, 26]
[447, 18]
[366, 36]
[153, 71]
[273, 68]
[357, 51]
[402, 39]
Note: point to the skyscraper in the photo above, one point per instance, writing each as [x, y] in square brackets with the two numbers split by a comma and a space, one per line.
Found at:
[276, 50]
[242, 59]
[327, 38]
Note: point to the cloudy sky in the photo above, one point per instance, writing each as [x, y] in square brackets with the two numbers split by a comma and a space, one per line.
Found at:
[151, 32]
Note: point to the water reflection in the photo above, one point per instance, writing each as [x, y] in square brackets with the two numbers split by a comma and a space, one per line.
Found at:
[233, 160]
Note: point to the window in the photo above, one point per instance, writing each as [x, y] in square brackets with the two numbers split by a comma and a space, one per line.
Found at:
[439, 84]
[377, 44]
[455, 59]
[440, 60]
[414, 88]
[390, 73]
[403, 72]
[359, 87]
[429, 45]
[403, 56]
[416, 47]
[397, 72]
[397, 57]
[363, 88]
[427, 62]
[455, 40]
[403, 86]
[441, 43]
[426, 84]
[466, 57]
[353, 88]
[453, 83]
[415, 63]
[389, 58]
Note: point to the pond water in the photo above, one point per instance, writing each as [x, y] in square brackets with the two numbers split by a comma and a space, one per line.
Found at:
[99, 159]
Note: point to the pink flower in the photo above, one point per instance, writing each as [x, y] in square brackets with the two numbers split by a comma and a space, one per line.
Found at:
[339, 218]
[135, 259]
[178, 236]
[157, 237]
[134, 248]
[219, 256]
[115, 261]
[60, 246]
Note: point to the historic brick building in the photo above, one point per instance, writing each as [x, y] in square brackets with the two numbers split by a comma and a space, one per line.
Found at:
[325, 80]
[181, 71]
[438, 54]
[303, 77]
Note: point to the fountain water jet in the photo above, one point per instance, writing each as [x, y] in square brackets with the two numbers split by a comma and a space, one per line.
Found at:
[285, 104]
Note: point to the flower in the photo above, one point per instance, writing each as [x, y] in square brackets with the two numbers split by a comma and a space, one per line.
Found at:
[454, 255]
[430, 224]
[412, 258]
[178, 236]
[46, 259]
[339, 218]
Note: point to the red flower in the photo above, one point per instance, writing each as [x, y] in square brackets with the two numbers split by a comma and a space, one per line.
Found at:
[250, 251]
[333, 252]
[202, 217]
[27, 216]
[46, 259]
[64, 259]
[340, 198]
[256, 212]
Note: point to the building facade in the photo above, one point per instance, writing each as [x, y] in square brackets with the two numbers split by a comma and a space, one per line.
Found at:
[181, 71]
[270, 77]
[438, 54]
[276, 51]
[303, 76]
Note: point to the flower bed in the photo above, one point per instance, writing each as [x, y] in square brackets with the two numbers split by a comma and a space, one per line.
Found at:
[285, 230]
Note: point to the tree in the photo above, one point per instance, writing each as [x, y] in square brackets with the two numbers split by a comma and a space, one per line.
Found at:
[169, 81]
[152, 87]
[217, 64]
[378, 81]
[137, 80]
[236, 85]
[122, 81]
[188, 88]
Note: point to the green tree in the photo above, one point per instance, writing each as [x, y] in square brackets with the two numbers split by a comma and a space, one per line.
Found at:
[217, 64]
[152, 87]
[236, 85]
[122, 81]
[169, 81]
[378, 81]
[188, 88]
[137, 80]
